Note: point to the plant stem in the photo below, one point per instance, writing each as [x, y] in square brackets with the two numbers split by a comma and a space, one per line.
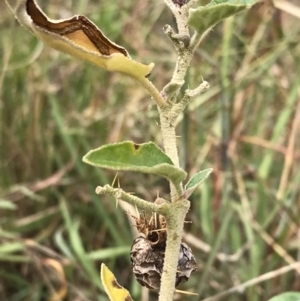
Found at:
[170, 146]
[178, 209]
[168, 112]
[175, 222]
[152, 90]
[183, 62]
[168, 131]
[120, 194]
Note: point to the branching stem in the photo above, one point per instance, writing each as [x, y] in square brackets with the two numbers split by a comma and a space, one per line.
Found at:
[152, 90]
[120, 194]
[168, 116]
[169, 110]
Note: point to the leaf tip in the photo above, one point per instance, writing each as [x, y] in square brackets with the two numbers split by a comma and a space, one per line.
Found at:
[113, 289]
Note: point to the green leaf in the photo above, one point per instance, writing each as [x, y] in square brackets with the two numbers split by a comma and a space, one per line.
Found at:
[204, 17]
[289, 296]
[195, 181]
[146, 158]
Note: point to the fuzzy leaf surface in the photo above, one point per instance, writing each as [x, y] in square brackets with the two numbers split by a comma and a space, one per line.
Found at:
[288, 296]
[204, 17]
[146, 158]
[195, 181]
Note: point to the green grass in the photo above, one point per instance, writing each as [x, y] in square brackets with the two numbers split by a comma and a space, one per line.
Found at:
[54, 109]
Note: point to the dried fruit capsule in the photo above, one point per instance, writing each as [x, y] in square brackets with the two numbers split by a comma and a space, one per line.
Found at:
[147, 262]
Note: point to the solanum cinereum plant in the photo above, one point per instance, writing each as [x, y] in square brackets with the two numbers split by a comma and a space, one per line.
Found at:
[81, 38]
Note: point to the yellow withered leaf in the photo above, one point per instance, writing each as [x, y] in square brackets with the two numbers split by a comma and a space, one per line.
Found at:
[79, 37]
[113, 289]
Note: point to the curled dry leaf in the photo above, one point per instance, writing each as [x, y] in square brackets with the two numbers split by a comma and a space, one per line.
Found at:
[57, 279]
[79, 37]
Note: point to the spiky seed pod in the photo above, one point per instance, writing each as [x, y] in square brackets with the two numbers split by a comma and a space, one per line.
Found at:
[153, 227]
[147, 262]
[148, 252]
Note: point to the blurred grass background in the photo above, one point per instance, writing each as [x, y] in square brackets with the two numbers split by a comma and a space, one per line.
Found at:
[55, 108]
